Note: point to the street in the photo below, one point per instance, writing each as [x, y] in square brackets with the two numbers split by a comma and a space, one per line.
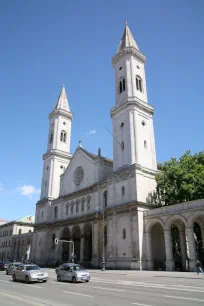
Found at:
[107, 288]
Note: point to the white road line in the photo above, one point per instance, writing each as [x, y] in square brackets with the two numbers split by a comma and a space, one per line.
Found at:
[4, 281]
[32, 286]
[91, 296]
[110, 289]
[182, 298]
[140, 304]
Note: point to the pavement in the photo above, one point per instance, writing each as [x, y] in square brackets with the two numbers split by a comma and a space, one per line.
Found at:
[109, 288]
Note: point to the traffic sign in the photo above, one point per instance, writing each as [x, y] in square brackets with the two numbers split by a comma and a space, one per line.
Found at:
[56, 241]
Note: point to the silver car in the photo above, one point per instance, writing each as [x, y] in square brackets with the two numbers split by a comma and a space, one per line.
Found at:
[72, 272]
[11, 266]
[29, 273]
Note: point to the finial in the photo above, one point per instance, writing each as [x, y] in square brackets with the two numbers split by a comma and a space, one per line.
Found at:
[126, 22]
[80, 145]
[99, 151]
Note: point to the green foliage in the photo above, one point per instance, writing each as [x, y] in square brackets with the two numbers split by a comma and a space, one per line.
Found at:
[179, 180]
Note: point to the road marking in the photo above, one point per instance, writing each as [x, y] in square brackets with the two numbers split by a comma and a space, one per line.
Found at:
[110, 289]
[33, 286]
[21, 299]
[91, 296]
[4, 281]
[182, 298]
[140, 304]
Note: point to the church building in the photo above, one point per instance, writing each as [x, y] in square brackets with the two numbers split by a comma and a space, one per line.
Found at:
[97, 202]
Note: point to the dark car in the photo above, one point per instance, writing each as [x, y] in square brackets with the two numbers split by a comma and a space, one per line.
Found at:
[3, 265]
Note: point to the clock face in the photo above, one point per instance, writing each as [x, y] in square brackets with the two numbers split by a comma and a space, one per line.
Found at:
[78, 175]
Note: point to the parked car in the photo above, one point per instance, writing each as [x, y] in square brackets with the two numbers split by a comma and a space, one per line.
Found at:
[11, 266]
[3, 265]
[72, 272]
[29, 273]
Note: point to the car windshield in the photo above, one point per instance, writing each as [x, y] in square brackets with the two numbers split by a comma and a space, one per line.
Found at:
[29, 268]
[17, 265]
[77, 268]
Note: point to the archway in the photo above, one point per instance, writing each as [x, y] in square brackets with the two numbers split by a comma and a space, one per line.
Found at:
[198, 227]
[65, 246]
[179, 244]
[88, 243]
[158, 247]
[76, 235]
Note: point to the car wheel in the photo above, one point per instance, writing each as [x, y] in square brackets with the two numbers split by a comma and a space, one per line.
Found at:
[14, 278]
[73, 279]
[27, 279]
[45, 281]
[6, 272]
[87, 280]
[58, 278]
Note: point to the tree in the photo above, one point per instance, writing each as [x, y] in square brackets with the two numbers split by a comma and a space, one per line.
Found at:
[179, 180]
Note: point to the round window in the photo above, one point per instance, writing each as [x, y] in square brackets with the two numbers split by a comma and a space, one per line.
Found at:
[78, 175]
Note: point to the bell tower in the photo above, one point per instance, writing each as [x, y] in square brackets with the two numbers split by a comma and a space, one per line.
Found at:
[58, 155]
[132, 116]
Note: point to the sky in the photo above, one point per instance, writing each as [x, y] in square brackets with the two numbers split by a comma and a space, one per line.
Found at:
[44, 44]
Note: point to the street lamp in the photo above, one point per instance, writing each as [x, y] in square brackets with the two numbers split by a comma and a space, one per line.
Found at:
[103, 243]
[66, 241]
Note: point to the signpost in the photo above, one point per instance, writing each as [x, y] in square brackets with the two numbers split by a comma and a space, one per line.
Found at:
[66, 241]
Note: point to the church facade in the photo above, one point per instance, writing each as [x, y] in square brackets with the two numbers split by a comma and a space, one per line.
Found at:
[96, 202]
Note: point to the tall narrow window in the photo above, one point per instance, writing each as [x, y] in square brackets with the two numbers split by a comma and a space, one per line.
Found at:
[51, 137]
[55, 212]
[77, 206]
[82, 204]
[20, 231]
[67, 209]
[139, 85]
[72, 208]
[123, 190]
[122, 145]
[63, 136]
[53, 241]
[145, 144]
[42, 213]
[124, 233]
[88, 203]
[105, 199]
[122, 85]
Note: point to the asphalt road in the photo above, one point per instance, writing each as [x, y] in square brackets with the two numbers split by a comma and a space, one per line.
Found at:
[108, 288]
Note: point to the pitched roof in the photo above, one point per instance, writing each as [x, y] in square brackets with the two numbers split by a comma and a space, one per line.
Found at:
[62, 101]
[127, 40]
[94, 156]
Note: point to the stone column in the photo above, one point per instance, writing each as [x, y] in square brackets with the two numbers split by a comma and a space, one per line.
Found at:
[168, 249]
[148, 244]
[82, 249]
[182, 237]
[191, 248]
[96, 243]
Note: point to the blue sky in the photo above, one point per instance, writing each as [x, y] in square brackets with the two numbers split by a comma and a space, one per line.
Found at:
[47, 43]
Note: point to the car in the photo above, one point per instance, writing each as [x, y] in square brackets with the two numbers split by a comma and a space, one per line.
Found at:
[11, 266]
[72, 272]
[3, 265]
[29, 273]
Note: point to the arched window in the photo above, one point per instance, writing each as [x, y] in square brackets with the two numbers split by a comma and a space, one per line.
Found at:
[139, 83]
[124, 233]
[77, 206]
[88, 202]
[51, 137]
[20, 231]
[105, 198]
[123, 190]
[145, 144]
[72, 208]
[9, 243]
[29, 231]
[122, 145]
[55, 212]
[53, 241]
[42, 213]
[122, 85]
[63, 136]
[82, 204]
[67, 209]
[11, 232]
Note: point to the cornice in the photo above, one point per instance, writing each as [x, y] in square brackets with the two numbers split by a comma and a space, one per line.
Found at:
[57, 153]
[133, 101]
[129, 51]
[60, 112]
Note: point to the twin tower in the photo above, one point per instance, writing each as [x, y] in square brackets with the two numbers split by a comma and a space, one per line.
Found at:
[133, 141]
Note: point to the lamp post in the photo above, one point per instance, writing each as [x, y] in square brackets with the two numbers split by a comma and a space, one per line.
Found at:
[66, 241]
[103, 243]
